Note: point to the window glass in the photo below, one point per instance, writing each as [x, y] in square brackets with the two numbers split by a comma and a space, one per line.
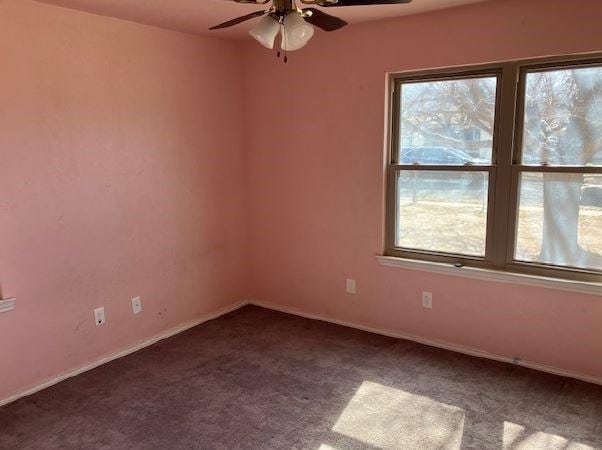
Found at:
[442, 211]
[560, 220]
[412, 156]
[563, 117]
[451, 120]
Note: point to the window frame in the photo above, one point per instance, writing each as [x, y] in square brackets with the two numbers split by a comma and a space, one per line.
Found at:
[504, 170]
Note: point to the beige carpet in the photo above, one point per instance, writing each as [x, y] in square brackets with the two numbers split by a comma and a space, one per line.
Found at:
[257, 379]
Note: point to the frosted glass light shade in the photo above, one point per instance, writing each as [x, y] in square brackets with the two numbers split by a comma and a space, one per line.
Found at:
[266, 31]
[297, 32]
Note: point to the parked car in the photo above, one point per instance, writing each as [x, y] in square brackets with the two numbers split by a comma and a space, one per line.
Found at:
[591, 196]
[437, 156]
[440, 156]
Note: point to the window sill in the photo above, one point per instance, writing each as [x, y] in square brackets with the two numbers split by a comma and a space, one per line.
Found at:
[7, 305]
[492, 275]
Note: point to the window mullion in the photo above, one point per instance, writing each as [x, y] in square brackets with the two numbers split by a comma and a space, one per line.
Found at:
[499, 236]
[391, 209]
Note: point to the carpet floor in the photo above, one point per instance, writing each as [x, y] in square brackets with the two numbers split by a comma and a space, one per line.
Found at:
[259, 379]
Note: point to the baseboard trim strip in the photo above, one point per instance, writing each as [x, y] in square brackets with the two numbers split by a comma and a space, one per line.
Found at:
[128, 351]
[432, 343]
[288, 310]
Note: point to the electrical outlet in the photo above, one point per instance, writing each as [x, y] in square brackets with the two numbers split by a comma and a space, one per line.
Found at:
[136, 305]
[99, 316]
[7, 305]
[351, 286]
[427, 300]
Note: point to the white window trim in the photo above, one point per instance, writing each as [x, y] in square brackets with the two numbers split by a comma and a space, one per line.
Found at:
[498, 276]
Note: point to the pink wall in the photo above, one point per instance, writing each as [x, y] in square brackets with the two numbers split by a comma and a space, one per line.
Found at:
[121, 174]
[316, 182]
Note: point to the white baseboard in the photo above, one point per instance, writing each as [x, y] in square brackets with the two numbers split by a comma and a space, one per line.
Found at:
[284, 309]
[126, 352]
[432, 343]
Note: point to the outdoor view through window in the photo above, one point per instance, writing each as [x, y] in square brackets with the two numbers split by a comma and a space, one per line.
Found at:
[446, 123]
[560, 215]
[451, 176]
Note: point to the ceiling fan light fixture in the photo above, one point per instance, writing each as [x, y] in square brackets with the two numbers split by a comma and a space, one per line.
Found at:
[296, 32]
[297, 24]
[266, 31]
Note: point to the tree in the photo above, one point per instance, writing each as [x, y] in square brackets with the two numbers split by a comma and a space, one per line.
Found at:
[562, 108]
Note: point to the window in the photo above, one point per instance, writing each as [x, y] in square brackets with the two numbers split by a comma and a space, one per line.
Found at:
[499, 167]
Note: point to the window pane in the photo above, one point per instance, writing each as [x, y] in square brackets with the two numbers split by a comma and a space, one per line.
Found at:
[563, 111]
[560, 220]
[442, 211]
[447, 122]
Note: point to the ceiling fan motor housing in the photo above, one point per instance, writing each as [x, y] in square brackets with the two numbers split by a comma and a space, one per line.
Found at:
[282, 7]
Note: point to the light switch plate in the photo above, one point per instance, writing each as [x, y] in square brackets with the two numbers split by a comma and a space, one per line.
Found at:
[351, 286]
[427, 300]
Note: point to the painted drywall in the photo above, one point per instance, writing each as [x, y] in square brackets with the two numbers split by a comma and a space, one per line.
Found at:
[121, 174]
[314, 134]
[125, 170]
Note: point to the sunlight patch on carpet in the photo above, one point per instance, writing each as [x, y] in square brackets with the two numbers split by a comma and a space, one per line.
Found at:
[385, 417]
[516, 437]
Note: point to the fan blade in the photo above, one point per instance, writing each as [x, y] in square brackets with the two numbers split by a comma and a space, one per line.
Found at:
[322, 20]
[238, 20]
[327, 4]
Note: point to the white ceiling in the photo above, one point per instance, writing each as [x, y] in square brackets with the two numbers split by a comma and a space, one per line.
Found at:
[196, 16]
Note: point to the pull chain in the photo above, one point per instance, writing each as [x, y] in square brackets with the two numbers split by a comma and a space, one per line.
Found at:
[285, 56]
[283, 39]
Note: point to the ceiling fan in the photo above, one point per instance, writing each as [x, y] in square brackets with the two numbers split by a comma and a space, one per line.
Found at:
[296, 24]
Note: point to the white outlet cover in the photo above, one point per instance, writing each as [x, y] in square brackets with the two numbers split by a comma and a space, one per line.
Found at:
[7, 305]
[99, 316]
[351, 286]
[136, 305]
[427, 300]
